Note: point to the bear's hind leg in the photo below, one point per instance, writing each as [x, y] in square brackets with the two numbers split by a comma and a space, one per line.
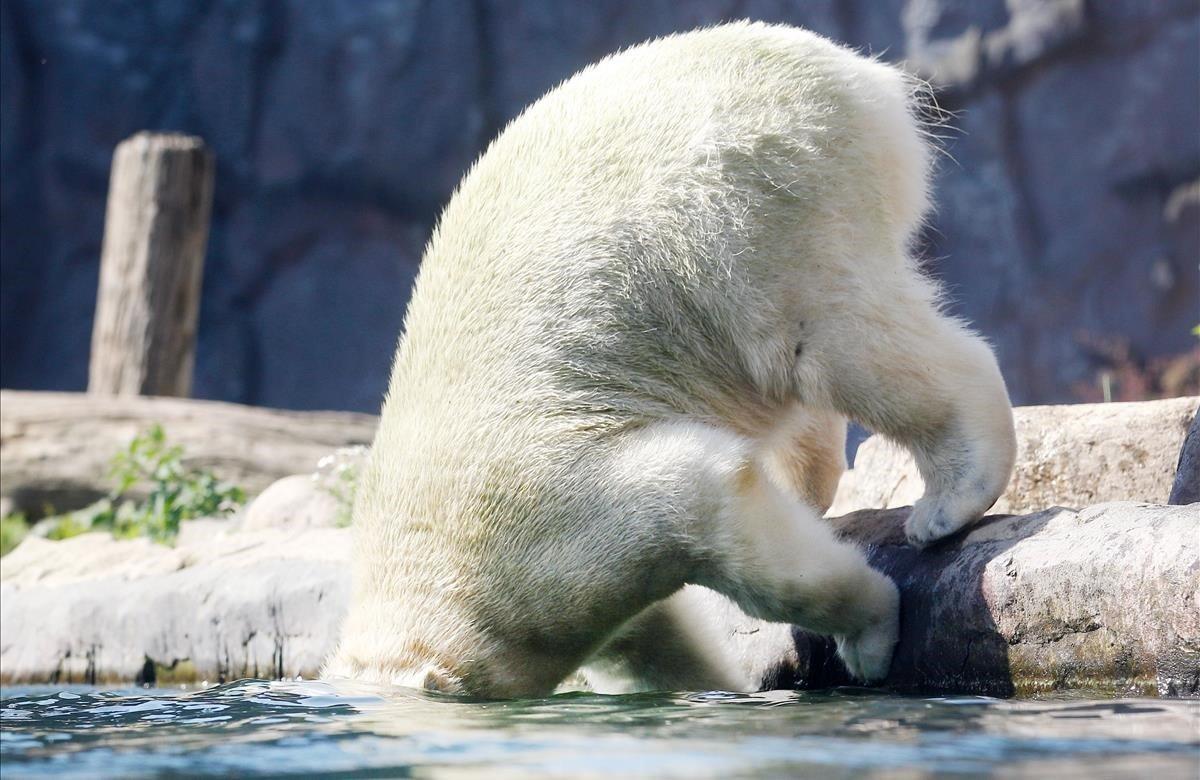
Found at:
[806, 454]
[673, 645]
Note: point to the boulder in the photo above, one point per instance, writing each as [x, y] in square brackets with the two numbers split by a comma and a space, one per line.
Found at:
[1074, 455]
[1102, 599]
[55, 448]
[293, 502]
[92, 609]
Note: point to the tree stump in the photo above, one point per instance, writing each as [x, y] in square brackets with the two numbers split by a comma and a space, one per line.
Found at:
[151, 266]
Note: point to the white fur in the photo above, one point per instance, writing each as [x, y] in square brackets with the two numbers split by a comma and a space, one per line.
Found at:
[600, 398]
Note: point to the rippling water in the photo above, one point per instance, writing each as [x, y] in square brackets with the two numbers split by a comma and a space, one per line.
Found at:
[315, 729]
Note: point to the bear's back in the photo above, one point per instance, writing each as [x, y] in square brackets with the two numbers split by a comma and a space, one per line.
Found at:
[614, 258]
[600, 248]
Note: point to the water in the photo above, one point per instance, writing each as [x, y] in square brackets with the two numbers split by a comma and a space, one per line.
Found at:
[314, 729]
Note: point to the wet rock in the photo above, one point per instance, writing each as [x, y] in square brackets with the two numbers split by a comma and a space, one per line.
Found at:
[1073, 455]
[1100, 599]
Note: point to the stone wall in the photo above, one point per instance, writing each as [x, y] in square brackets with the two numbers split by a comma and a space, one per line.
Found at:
[1068, 223]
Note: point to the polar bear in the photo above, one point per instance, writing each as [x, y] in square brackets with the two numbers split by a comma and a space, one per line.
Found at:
[626, 363]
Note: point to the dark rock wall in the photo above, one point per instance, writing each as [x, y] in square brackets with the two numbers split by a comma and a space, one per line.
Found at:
[1068, 199]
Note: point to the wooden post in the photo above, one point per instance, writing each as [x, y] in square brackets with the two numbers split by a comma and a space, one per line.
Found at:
[151, 266]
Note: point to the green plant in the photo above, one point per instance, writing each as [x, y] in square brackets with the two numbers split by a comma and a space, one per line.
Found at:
[174, 494]
[66, 526]
[13, 528]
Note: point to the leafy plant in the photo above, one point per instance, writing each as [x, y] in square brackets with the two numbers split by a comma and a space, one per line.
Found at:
[175, 494]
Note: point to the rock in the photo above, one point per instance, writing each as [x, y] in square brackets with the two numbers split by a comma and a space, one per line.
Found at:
[55, 448]
[392, 91]
[1102, 600]
[981, 228]
[1035, 30]
[340, 129]
[1100, 205]
[293, 502]
[320, 301]
[204, 530]
[251, 604]
[1073, 455]
[1186, 488]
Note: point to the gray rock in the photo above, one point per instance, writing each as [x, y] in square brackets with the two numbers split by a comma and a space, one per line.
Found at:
[293, 502]
[1074, 455]
[92, 609]
[1186, 487]
[1101, 600]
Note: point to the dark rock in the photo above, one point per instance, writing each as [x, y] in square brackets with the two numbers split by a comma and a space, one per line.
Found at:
[532, 46]
[981, 229]
[1186, 489]
[378, 98]
[1130, 22]
[1097, 221]
[1035, 30]
[321, 307]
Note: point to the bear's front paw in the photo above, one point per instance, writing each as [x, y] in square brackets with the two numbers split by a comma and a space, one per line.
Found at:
[868, 654]
[927, 523]
[934, 518]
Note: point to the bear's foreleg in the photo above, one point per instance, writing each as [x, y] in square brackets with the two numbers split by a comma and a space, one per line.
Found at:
[890, 360]
[745, 538]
